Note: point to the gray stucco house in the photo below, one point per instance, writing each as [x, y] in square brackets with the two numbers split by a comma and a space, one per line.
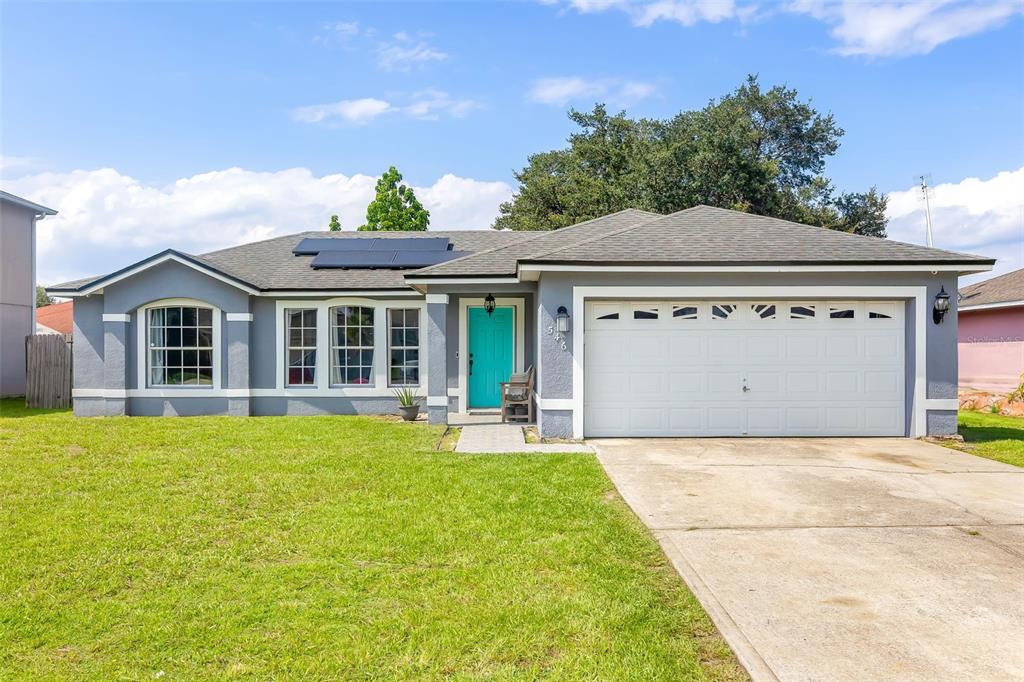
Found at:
[702, 322]
[18, 219]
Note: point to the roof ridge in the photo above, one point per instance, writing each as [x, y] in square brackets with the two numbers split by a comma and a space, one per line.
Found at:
[540, 233]
[610, 234]
[856, 237]
[258, 241]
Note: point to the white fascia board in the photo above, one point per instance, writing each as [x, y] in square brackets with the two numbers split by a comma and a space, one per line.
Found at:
[990, 306]
[210, 272]
[560, 267]
[366, 293]
[462, 280]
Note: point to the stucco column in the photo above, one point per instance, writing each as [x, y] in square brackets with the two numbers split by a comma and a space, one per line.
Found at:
[115, 362]
[236, 361]
[555, 358]
[437, 358]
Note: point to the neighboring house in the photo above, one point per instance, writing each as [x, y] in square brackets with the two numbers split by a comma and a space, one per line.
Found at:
[17, 286]
[56, 318]
[991, 336]
[703, 322]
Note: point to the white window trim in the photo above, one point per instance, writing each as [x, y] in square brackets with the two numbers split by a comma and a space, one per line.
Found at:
[918, 409]
[317, 348]
[519, 337]
[323, 388]
[142, 387]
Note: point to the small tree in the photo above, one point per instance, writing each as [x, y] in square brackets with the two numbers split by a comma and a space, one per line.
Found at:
[42, 299]
[395, 206]
[335, 224]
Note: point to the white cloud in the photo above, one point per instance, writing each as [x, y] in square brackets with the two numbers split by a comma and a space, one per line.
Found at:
[561, 90]
[880, 29]
[352, 110]
[685, 12]
[107, 220]
[429, 104]
[985, 217]
[404, 53]
[875, 28]
[340, 31]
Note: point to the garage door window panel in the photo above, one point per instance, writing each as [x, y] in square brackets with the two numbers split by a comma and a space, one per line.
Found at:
[841, 312]
[725, 311]
[685, 311]
[645, 312]
[802, 311]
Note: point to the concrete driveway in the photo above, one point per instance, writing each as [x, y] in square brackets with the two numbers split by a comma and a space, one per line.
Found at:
[841, 559]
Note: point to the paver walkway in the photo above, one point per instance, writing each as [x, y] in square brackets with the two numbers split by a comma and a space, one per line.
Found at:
[492, 438]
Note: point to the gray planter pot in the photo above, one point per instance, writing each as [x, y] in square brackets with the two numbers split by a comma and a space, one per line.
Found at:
[409, 413]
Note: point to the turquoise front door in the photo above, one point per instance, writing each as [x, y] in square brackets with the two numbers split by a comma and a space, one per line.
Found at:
[490, 354]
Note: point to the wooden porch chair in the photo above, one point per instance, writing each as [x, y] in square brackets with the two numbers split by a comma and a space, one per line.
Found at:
[517, 398]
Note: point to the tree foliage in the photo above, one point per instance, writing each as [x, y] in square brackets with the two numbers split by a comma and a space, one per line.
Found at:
[42, 299]
[395, 207]
[755, 150]
[335, 224]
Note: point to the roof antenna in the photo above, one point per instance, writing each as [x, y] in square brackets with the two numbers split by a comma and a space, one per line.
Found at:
[927, 210]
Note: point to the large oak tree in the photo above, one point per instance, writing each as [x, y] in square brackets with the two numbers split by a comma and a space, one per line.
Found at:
[755, 150]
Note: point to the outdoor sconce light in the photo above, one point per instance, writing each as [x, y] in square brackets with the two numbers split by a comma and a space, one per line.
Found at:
[562, 320]
[941, 306]
[489, 304]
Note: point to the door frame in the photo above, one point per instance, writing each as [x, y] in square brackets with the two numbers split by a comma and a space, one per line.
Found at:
[918, 294]
[518, 339]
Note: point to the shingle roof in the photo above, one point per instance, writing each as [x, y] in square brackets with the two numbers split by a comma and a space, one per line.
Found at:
[698, 235]
[270, 264]
[1001, 289]
[504, 260]
[708, 235]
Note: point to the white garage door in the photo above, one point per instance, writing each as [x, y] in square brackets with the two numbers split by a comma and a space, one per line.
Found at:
[744, 368]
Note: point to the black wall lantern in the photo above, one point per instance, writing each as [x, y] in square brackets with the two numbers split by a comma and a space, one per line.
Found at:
[562, 320]
[941, 306]
[489, 304]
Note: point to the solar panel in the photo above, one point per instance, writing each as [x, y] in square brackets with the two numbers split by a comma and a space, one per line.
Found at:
[381, 259]
[310, 246]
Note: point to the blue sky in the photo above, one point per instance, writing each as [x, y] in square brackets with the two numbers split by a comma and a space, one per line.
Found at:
[161, 94]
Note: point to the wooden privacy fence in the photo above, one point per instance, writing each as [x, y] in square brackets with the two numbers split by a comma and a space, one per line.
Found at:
[48, 384]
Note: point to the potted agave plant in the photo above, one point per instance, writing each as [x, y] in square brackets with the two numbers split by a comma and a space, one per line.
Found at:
[408, 403]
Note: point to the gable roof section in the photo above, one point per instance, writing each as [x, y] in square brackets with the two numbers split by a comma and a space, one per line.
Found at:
[91, 284]
[704, 235]
[1004, 289]
[504, 260]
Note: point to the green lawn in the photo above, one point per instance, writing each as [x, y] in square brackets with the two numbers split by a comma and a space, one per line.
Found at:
[993, 436]
[341, 547]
